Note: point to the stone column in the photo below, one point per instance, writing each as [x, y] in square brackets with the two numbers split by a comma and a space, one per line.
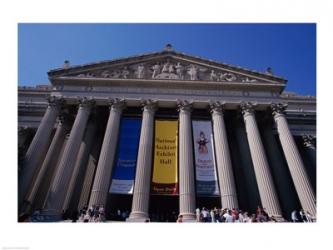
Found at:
[89, 175]
[59, 187]
[294, 160]
[38, 148]
[267, 192]
[75, 184]
[186, 166]
[102, 179]
[279, 168]
[140, 204]
[48, 165]
[223, 160]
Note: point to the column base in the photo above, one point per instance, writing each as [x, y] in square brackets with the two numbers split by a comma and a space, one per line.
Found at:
[278, 218]
[189, 217]
[138, 217]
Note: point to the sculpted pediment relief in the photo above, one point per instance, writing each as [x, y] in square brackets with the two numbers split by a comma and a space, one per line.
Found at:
[170, 69]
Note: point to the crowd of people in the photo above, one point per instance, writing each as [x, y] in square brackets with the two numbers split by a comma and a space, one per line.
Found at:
[237, 215]
[93, 214]
[302, 216]
[215, 215]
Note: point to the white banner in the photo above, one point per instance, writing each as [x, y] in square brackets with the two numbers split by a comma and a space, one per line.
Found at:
[122, 186]
[206, 176]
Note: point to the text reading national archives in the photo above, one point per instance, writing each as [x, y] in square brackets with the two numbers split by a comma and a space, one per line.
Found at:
[163, 132]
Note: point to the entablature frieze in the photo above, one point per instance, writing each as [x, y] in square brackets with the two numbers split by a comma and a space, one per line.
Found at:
[170, 93]
[167, 97]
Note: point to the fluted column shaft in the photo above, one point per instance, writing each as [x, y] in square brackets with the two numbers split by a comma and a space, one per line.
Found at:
[186, 166]
[87, 183]
[140, 204]
[37, 149]
[106, 159]
[81, 163]
[57, 192]
[49, 163]
[296, 167]
[267, 192]
[223, 160]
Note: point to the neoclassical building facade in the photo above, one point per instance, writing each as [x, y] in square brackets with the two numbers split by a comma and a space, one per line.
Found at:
[163, 132]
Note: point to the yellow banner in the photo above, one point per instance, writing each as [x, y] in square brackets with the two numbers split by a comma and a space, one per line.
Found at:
[165, 173]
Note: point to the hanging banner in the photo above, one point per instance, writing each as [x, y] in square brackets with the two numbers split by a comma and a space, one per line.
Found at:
[165, 172]
[206, 176]
[125, 163]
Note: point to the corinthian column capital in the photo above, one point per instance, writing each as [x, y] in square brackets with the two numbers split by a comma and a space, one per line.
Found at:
[309, 141]
[85, 102]
[149, 105]
[278, 108]
[217, 107]
[117, 104]
[184, 106]
[55, 101]
[247, 108]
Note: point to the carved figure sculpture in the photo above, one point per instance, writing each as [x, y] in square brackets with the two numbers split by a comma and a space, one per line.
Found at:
[156, 70]
[165, 68]
[213, 75]
[171, 68]
[125, 73]
[180, 71]
[140, 71]
[193, 72]
[227, 77]
[230, 77]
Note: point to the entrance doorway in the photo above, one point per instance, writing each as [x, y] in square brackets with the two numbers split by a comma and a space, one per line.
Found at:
[209, 202]
[163, 208]
[118, 207]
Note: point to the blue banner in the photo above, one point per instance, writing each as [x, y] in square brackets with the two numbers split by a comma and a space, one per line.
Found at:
[124, 172]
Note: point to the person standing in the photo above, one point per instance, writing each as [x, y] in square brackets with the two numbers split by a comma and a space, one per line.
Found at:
[294, 216]
[204, 213]
[101, 213]
[228, 216]
[240, 216]
[86, 217]
[217, 215]
[308, 216]
[303, 216]
[246, 218]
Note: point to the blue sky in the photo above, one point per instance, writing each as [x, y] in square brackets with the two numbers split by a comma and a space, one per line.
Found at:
[289, 49]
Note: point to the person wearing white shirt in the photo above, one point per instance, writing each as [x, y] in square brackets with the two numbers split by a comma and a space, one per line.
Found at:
[205, 214]
[294, 216]
[228, 217]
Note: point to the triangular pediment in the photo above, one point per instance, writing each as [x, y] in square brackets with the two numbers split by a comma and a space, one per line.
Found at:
[165, 65]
